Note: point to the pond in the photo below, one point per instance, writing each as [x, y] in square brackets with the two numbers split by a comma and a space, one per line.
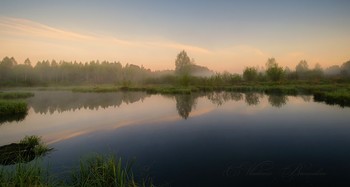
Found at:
[199, 139]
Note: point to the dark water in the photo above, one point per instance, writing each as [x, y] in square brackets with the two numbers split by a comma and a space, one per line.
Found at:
[216, 139]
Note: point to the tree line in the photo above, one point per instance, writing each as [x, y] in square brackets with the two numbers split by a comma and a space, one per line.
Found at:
[69, 73]
[186, 72]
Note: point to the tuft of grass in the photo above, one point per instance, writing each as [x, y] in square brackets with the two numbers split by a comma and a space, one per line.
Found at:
[26, 150]
[22, 175]
[15, 95]
[102, 171]
[99, 170]
[31, 141]
[39, 147]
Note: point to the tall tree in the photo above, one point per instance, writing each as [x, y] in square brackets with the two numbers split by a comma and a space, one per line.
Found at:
[302, 67]
[183, 63]
[273, 71]
[250, 74]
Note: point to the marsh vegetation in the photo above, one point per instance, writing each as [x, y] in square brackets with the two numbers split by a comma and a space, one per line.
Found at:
[12, 106]
[330, 84]
[26, 150]
[28, 170]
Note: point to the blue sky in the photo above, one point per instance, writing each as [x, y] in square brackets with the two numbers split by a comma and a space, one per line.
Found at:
[224, 35]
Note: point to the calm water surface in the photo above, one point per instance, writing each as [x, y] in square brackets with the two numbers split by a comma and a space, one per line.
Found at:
[216, 139]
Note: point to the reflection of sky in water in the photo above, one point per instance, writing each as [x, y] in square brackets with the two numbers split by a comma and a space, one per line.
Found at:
[224, 134]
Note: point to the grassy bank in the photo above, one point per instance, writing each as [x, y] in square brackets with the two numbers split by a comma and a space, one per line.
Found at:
[13, 107]
[96, 170]
[15, 95]
[258, 87]
[330, 93]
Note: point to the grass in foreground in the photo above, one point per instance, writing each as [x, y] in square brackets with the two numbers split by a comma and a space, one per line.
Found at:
[26, 150]
[99, 171]
[22, 175]
[103, 171]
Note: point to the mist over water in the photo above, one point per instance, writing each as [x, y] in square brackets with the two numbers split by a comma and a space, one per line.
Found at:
[222, 138]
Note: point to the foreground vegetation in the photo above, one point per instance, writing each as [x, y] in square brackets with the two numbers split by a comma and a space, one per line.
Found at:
[26, 150]
[97, 170]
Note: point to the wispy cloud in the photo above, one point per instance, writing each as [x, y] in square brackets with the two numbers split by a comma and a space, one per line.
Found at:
[17, 26]
[24, 27]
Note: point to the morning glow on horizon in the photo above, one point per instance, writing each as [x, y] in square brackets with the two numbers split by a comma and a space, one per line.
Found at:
[222, 35]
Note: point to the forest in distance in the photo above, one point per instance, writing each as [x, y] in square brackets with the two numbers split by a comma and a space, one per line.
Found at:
[186, 72]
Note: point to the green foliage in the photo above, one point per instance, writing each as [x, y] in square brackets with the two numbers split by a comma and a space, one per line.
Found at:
[250, 74]
[31, 141]
[302, 67]
[46, 73]
[183, 63]
[273, 71]
[26, 150]
[10, 107]
[15, 95]
[39, 147]
[345, 69]
[30, 174]
[63, 73]
[95, 171]
[104, 171]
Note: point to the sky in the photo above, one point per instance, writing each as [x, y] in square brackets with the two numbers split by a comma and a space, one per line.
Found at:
[224, 35]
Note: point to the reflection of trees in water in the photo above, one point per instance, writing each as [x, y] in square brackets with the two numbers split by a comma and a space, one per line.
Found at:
[252, 98]
[185, 103]
[12, 118]
[220, 98]
[306, 98]
[277, 100]
[60, 101]
[44, 102]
